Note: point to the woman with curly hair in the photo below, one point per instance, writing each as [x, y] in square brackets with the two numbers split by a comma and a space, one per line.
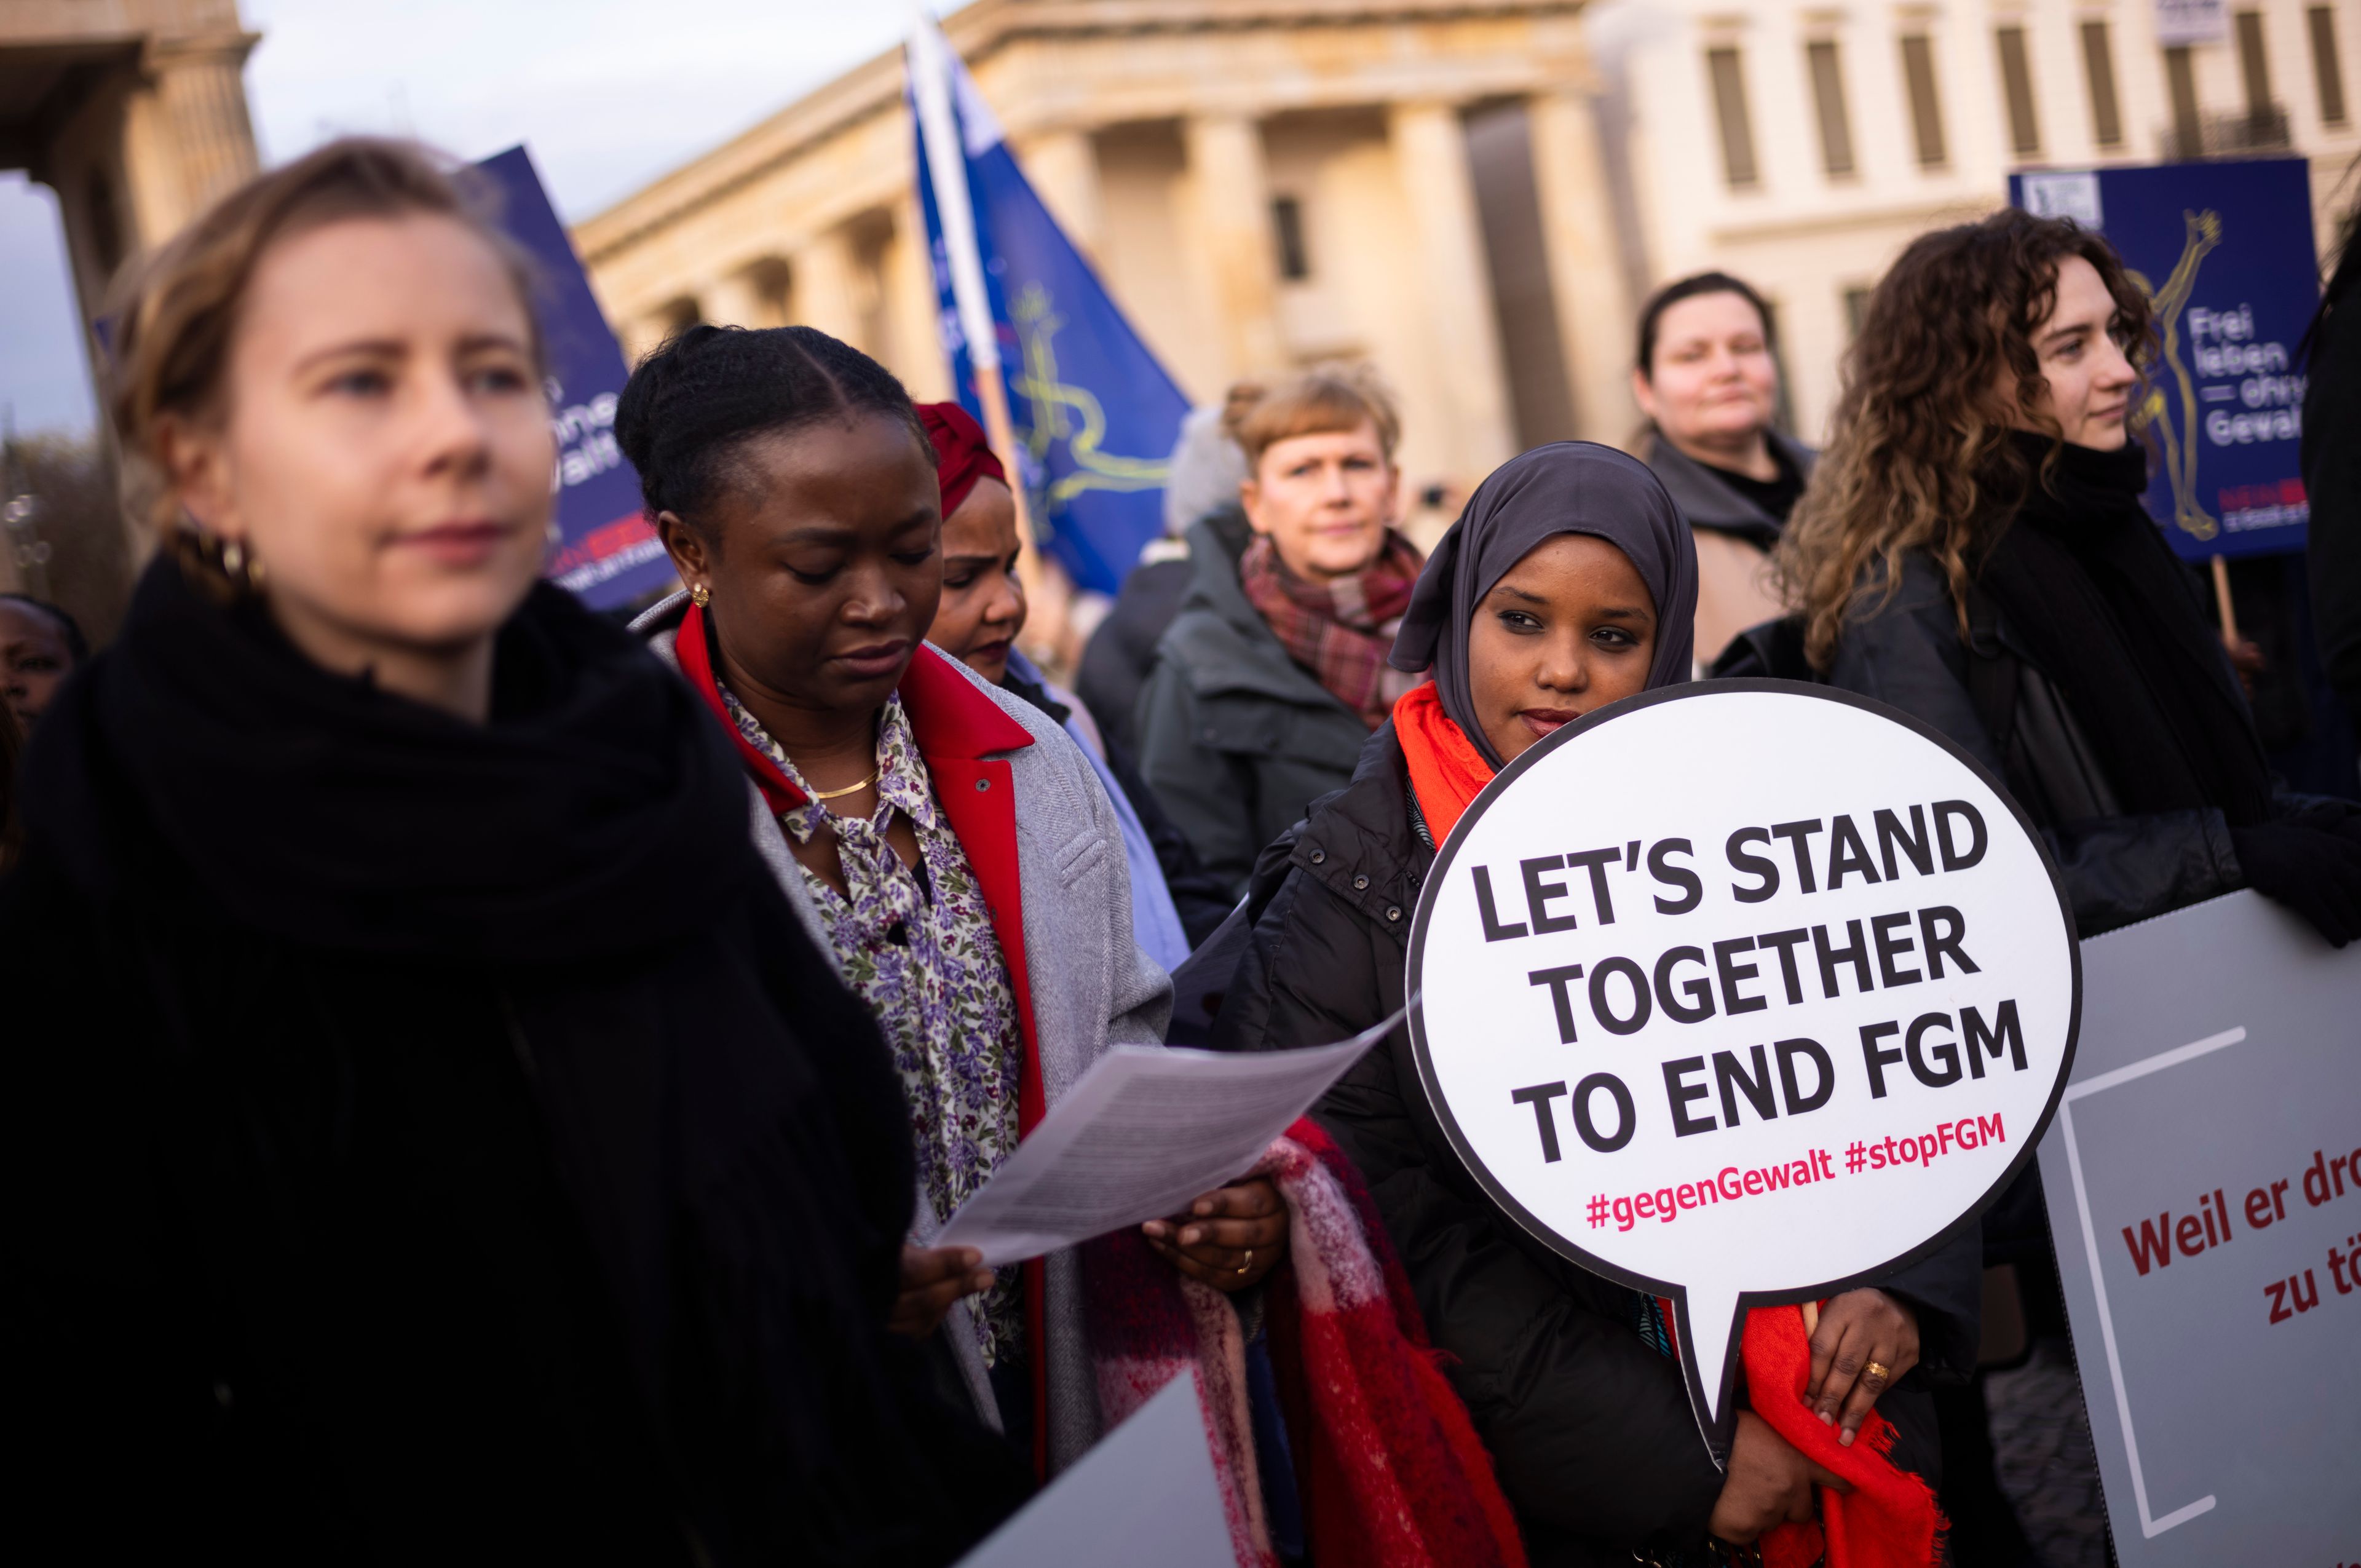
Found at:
[1974, 550]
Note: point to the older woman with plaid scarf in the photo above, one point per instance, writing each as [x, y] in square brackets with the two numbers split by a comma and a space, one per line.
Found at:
[1274, 672]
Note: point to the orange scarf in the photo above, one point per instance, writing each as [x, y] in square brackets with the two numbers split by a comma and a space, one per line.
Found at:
[1890, 1519]
[1447, 771]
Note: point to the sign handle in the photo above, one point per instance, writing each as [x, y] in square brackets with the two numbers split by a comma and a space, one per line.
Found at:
[2222, 603]
[1000, 430]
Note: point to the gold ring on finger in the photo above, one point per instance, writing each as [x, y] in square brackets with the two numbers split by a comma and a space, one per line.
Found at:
[1249, 1263]
[1878, 1370]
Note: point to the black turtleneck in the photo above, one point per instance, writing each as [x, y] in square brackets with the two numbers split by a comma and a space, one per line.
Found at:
[1777, 496]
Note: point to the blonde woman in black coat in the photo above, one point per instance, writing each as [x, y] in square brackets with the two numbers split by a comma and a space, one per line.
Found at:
[429, 1133]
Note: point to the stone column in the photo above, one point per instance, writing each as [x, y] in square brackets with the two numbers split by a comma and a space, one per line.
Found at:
[640, 336]
[186, 135]
[180, 139]
[1231, 198]
[1064, 168]
[823, 293]
[913, 307]
[735, 299]
[1430, 151]
[1595, 312]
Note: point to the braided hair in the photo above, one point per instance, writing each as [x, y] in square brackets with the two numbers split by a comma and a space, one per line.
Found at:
[691, 406]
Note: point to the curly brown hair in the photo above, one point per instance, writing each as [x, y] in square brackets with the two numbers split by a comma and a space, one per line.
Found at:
[1919, 457]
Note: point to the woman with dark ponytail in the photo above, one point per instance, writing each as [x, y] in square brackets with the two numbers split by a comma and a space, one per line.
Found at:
[954, 847]
[947, 841]
[429, 1134]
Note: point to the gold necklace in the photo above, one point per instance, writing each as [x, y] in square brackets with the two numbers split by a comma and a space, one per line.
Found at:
[848, 789]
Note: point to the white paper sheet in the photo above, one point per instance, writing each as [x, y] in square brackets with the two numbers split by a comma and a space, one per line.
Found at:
[1146, 1130]
[1146, 1497]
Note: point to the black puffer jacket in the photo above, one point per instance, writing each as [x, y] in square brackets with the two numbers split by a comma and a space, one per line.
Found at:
[1590, 1429]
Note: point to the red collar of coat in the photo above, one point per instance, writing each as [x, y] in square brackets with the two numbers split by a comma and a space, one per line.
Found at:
[949, 719]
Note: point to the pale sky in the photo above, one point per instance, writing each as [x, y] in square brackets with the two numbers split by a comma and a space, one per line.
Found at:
[609, 93]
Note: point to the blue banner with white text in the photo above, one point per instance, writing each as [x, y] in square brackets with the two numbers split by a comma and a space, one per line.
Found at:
[2226, 252]
[605, 550]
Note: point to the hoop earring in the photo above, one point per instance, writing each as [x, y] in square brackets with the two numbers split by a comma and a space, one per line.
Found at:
[700, 596]
[226, 566]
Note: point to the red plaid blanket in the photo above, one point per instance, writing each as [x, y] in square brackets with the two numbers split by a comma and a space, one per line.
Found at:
[1387, 1465]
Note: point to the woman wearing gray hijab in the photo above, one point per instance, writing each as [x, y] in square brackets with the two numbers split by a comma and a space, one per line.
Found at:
[1568, 583]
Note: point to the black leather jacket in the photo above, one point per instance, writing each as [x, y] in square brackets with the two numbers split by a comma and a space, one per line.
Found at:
[1992, 699]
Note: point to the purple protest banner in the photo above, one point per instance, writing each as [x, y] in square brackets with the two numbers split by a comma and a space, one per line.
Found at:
[2225, 253]
[605, 550]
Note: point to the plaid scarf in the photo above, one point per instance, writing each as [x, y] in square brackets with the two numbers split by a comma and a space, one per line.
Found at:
[1340, 630]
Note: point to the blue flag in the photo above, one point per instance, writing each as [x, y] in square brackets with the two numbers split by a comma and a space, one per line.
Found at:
[1095, 415]
[605, 552]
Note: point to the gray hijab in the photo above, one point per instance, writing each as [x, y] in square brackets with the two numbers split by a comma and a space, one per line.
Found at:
[1567, 486]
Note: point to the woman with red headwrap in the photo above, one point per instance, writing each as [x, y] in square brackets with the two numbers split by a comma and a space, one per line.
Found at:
[1176, 902]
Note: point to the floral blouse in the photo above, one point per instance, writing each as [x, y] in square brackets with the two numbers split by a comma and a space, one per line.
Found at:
[916, 945]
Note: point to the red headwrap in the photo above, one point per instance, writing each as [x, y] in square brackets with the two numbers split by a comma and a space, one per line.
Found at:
[961, 455]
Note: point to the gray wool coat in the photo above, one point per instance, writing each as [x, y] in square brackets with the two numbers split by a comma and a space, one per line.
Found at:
[1092, 987]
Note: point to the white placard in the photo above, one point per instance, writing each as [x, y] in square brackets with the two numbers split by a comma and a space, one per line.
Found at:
[1145, 1130]
[1145, 1497]
[2204, 1191]
[1742, 993]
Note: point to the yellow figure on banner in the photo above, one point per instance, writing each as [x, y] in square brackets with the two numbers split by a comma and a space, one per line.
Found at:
[1071, 414]
[2204, 232]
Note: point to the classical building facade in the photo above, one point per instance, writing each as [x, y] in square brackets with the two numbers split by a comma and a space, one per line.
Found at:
[1803, 146]
[133, 113]
[1472, 193]
[1261, 182]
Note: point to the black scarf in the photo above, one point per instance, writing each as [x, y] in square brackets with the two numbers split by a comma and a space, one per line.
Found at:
[593, 815]
[2112, 616]
[311, 876]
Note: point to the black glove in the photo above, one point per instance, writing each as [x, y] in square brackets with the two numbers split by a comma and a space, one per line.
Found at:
[2316, 874]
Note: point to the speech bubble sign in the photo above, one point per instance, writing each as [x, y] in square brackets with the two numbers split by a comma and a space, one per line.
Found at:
[1743, 994]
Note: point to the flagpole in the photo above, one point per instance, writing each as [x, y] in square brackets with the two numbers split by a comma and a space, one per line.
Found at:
[947, 167]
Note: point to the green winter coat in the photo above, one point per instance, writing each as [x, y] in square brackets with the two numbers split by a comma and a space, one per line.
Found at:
[1236, 738]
